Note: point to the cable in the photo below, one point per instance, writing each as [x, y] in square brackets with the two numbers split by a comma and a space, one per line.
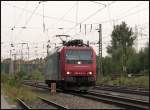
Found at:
[109, 15]
[20, 16]
[30, 17]
[117, 19]
[61, 18]
[43, 19]
[98, 3]
[77, 6]
[131, 14]
[122, 13]
[89, 17]
[32, 14]
[39, 14]
[96, 13]
[131, 9]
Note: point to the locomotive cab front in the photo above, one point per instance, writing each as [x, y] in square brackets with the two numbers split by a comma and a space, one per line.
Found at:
[79, 67]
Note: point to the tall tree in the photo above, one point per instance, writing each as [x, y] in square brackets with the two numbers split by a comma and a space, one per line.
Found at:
[122, 40]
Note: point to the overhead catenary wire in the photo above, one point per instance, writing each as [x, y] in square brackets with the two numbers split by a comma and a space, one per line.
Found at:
[93, 14]
[131, 14]
[102, 22]
[119, 18]
[123, 13]
[20, 16]
[99, 3]
[30, 17]
[65, 14]
[39, 14]
[109, 15]
[77, 6]
[43, 19]
[28, 20]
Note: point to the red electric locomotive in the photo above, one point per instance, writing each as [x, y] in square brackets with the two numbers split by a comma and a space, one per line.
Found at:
[72, 67]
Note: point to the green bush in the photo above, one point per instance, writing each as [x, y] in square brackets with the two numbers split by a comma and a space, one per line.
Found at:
[4, 77]
[13, 89]
[103, 80]
[140, 81]
[36, 75]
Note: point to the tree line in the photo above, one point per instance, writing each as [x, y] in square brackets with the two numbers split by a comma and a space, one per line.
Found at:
[122, 57]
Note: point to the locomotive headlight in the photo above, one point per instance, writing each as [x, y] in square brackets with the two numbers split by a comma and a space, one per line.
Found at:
[68, 72]
[90, 73]
[79, 62]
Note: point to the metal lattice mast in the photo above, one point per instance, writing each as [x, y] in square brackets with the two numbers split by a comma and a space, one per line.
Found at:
[100, 71]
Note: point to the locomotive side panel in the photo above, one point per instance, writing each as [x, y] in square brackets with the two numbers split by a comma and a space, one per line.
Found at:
[52, 68]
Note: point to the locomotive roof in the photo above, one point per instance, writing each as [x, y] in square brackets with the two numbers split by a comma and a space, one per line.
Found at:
[70, 47]
[76, 47]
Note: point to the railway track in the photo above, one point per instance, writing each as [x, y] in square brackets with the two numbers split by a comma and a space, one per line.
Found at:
[107, 98]
[58, 106]
[127, 103]
[22, 104]
[121, 89]
[137, 91]
[37, 84]
[54, 105]
[123, 101]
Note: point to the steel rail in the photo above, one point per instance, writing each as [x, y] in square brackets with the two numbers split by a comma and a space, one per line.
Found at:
[123, 87]
[34, 85]
[58, 106]
[123, 90]
[121, 102]
[39, 86]
[23, 104]
[130, 102]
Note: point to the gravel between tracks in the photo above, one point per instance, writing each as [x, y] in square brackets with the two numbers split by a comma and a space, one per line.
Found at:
[70, 101]
[75, 102]
[41, 105]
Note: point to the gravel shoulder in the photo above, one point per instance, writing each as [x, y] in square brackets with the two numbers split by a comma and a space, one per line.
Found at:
[5, 104]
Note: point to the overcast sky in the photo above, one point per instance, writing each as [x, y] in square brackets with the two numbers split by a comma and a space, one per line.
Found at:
[68, 15]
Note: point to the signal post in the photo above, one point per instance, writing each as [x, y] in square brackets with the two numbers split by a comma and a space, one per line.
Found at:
[53, 88]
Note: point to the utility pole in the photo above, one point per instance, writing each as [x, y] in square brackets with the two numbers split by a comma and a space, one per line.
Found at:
[11, 68]
[28, 51]
[28, 65]
[22, 53]
[100, 71]
[10, 65]
[48, 46]
[22, 49]
[136, 40]
[14, 63]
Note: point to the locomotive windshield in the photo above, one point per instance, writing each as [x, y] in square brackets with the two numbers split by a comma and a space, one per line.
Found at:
[73, 56]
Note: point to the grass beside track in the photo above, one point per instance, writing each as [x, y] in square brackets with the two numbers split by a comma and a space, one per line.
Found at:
[141, 81]
[12, 88]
